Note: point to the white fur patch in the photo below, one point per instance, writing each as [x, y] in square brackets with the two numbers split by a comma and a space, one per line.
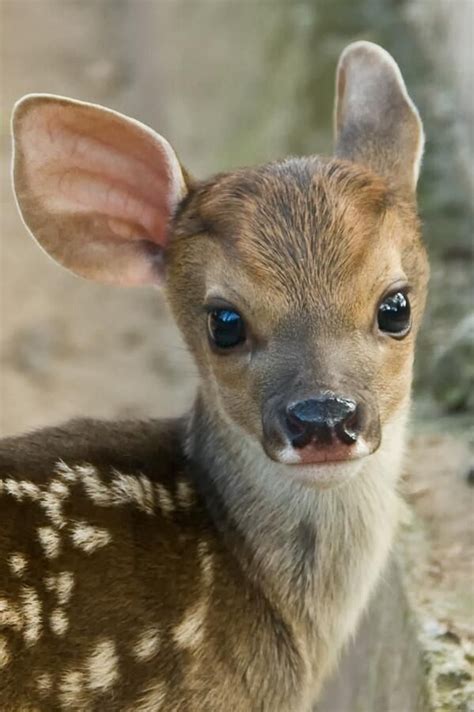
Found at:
[122, 489]
[165, 501]
[71, 690]
[50, 541]
[65, 472]
[147, 644]
[62, 585]
[137, 490]
[88, 537]
[102, 666]
[98, 492]
[59, 489]
[5, 656]
[53, 508]
[31, 610]
[30, 490]
[189, 633]
[13, 488]
[58, 621]
[18, 564]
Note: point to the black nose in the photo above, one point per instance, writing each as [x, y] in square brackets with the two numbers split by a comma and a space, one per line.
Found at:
[324, 420]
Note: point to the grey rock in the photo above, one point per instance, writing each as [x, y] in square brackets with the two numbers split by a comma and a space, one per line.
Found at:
[453, 369]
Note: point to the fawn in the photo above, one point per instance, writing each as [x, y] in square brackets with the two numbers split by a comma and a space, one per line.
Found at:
[221, 560]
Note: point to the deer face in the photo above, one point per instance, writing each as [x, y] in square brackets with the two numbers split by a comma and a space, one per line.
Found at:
[298, 286]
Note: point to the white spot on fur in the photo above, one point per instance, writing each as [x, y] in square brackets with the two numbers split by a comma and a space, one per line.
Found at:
[65, 472]
[147, 644]
[4, 652]
[138, 490]
[59, 489]
[12, 487]
[102, 666]
[190, 631]
[44, 683]
[184, 494]
[50, 541]
[88, 537]
[62, 584]
[31, 609]
[30, 490]
[98, 492]
[53, 509]
[165, 501]
[58, 621]
[18, 564]
[9, 615]
[71, 690]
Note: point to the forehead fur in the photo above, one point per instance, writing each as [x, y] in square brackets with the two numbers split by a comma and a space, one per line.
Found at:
[300, 220]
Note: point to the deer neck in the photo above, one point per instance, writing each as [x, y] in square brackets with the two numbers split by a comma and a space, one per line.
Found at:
[315, 553]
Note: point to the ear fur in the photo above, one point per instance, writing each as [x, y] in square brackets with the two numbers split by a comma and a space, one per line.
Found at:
[376, 122]
[96, 189]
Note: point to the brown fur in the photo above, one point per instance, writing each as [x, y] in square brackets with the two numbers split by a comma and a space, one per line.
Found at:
[148, 577]
[184, 565]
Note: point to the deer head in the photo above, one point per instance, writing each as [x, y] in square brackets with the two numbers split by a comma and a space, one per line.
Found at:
[298, 285]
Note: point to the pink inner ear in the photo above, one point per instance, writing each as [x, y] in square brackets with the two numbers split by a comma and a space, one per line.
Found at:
[96, 189]
[81, 160]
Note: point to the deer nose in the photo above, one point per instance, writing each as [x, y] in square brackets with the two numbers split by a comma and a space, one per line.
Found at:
[325, 420]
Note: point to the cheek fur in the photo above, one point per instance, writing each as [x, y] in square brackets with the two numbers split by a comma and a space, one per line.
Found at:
[393, 381]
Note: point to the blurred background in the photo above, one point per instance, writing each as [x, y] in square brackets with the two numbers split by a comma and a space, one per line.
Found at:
[229, 83]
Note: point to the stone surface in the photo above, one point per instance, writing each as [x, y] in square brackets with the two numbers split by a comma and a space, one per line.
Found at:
[453, 369]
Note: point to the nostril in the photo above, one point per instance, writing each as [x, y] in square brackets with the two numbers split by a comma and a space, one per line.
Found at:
[300, 431]
[347, 431]
[324, 420]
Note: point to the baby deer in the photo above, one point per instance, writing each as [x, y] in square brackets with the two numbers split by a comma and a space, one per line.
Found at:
[218, 561]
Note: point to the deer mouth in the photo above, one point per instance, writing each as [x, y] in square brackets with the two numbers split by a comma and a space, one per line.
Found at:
[316, 453]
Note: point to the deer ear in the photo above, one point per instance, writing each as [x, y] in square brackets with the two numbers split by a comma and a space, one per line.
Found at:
[96, 189]
[376, 122]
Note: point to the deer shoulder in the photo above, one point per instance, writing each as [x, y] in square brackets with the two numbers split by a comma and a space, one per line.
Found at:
[112, 578]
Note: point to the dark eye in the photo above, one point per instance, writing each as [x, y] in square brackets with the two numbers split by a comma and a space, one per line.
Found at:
[394, 314]
[226, 328]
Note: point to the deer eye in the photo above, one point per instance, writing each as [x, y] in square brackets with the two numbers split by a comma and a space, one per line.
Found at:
[226, 328]
[394, 315]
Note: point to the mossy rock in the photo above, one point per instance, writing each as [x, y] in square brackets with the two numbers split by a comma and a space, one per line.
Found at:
[453, 370]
